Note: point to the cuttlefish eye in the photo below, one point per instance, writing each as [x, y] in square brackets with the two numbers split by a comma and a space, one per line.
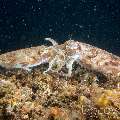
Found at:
[55, 66]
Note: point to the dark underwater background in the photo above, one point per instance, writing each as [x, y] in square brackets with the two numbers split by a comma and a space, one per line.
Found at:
[25, 23]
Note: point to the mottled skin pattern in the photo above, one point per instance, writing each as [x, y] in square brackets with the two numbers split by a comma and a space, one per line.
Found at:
[65, 54]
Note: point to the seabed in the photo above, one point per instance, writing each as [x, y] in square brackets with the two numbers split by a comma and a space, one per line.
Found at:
[85, 95]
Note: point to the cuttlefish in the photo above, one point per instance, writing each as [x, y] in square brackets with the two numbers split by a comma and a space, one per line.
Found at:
[61, 55]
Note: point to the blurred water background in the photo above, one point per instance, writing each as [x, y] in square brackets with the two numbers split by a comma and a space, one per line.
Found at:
[25, 23]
